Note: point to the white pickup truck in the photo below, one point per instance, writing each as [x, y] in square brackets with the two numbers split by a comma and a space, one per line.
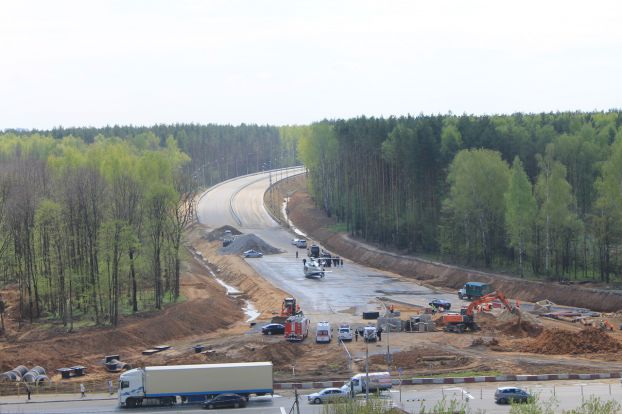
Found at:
[378, 381]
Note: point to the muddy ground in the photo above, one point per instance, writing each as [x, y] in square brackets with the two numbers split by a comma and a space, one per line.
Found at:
[214, 319]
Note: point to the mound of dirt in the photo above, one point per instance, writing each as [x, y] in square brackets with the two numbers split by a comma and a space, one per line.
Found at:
[419, 358]
[219, 233]
[516, 325]
[247, 242]
[558, 341]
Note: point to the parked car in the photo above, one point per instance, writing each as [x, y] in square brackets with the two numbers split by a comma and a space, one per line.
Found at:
[226, 401]
[345, 332]
[440, 303]
[327, 395]
[273, 329]
[252, 253]
[505, 395]
[301, 244]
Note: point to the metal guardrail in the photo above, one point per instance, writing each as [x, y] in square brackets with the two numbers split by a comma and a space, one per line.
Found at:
[57, 387]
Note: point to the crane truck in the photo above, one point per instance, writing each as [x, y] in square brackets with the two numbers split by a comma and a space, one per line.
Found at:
[168, 385]
[459, 322]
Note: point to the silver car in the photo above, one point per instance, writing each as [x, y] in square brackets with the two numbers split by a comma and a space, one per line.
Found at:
[327, 395]
[507, 395]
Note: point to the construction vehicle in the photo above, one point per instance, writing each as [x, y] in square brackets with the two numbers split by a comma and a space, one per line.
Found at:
[168, 385]
[605, 325]
[288, 308]
[459, 322]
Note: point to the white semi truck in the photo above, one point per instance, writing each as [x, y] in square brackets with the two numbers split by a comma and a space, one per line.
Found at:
[167, 385]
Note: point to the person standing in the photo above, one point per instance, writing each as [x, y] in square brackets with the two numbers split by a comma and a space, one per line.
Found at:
[296, 254]
[110, 386]
[379, 332]
[341, 262]
[28, 391]
[82, 391]
[356, 335]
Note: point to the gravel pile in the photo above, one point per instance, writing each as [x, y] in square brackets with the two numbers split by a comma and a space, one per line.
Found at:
[220, 232]
[247, 242]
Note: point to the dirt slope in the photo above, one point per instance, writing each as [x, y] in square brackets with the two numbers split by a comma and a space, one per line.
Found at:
[313, 221]
[55, 348]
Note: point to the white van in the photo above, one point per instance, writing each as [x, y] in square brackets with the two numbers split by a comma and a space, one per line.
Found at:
[323, 333]
[345, 332]
[370, 334]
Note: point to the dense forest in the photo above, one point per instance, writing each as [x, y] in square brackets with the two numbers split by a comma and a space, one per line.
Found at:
[537, 194]
[91, 220]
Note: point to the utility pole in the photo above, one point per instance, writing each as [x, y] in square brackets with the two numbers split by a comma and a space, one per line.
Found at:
[366, 370]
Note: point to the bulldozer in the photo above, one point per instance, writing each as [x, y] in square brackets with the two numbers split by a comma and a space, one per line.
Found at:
[460, 322]
[289, 307]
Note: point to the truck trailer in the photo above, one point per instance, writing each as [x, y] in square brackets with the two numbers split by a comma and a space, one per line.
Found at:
[168, 385]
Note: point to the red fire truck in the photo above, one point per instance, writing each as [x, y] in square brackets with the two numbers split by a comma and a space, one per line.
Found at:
[296, 328]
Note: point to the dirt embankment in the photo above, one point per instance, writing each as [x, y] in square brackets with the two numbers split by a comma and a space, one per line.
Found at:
[313, 221]
[207, 309]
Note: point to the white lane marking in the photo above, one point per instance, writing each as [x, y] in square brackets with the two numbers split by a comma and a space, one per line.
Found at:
[282, 410]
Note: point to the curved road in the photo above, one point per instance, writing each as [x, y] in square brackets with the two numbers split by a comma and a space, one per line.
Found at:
[345, 292]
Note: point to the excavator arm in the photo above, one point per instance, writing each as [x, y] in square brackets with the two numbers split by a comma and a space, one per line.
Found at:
[489, 298]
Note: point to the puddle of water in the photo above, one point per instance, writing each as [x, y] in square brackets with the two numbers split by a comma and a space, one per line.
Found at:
[250, 311]
[291, 225]
[230, 289]
[248, 308]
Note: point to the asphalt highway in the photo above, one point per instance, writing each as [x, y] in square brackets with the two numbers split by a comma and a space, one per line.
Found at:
[562, 395]
[343, 294]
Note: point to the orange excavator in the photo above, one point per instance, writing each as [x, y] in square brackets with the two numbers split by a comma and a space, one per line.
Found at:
[459, 322]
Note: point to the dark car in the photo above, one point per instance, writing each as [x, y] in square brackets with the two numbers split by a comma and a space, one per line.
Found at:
[507, 395]
[273, 329]
[226, 401]
[440, 303]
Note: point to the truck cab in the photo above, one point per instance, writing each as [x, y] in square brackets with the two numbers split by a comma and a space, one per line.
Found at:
[131, 388]
[474, 290]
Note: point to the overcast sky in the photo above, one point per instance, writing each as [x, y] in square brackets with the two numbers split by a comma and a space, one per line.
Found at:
[94, 63]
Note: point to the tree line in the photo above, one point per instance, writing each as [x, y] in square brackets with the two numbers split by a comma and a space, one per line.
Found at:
[92, 219]
[538, 194]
